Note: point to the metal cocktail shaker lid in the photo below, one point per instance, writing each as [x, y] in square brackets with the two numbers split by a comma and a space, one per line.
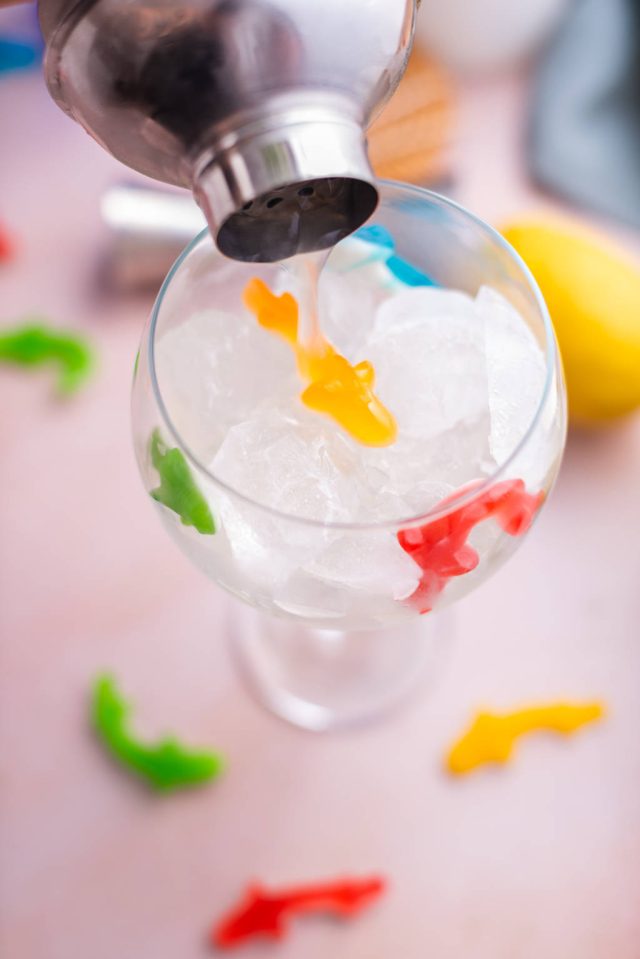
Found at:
[258, 106]
[296, 179]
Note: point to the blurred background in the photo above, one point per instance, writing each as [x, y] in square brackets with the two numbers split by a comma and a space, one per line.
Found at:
[526, 114]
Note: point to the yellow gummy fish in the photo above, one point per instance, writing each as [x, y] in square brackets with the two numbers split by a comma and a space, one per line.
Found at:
[338, 389]
[492, 736]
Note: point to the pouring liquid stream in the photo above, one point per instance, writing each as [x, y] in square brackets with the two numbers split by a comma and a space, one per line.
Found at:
[306, 269]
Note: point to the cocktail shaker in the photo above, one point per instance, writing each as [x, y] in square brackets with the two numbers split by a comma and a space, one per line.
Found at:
[260, 107]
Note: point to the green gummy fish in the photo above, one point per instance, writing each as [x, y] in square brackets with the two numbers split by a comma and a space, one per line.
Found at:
[34, 344]
[166, 765]
[178, 490]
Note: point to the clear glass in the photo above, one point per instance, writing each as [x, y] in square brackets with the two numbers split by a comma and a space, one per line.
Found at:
[350, 645]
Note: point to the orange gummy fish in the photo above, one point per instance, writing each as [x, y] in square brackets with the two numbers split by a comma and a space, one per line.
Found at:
[337, 389]
[491, 737]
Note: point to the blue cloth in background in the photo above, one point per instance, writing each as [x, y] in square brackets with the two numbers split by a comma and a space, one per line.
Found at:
[21, 43]
[585, 127]
[18, 55]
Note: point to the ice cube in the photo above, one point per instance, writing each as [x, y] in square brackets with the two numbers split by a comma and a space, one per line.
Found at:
[348, 305]
[412, 305]
[214, 369]
[427, 349]
[266, 548]
[371, 560]
[420, 473]
[293, 461]
[347, 299]
[515, 369]
[311, 598]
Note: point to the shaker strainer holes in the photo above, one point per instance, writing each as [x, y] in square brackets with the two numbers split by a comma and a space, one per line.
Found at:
[305, 191]
[248, 205]
[273, 202]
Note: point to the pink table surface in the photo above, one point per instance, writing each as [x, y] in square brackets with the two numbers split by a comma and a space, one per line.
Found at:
[540, 860]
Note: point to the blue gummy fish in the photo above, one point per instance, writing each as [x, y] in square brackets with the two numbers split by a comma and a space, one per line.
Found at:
[402, 270]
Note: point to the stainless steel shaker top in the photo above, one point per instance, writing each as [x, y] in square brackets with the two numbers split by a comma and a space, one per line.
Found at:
[258, 106]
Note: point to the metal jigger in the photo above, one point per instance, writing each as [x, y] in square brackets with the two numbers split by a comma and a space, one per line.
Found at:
[258, 106]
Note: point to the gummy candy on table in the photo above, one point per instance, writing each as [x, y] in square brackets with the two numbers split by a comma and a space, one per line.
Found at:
[178, 490]
[165, 765]
[35, 344]
[7, 248]
[440, 547]
[492, 736]
[337, 388]
[263, 913]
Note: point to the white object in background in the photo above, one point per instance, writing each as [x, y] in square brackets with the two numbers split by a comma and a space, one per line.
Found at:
[484, 35]
[149, 229]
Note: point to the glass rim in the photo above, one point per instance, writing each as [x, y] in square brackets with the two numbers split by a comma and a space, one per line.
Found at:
[436, 512]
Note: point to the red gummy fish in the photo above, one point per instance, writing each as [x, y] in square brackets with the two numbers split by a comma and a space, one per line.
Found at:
[263, 913]
[7, 248]
[440, 547]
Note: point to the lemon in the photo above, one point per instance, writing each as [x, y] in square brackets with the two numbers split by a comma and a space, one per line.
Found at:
[593, 295]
